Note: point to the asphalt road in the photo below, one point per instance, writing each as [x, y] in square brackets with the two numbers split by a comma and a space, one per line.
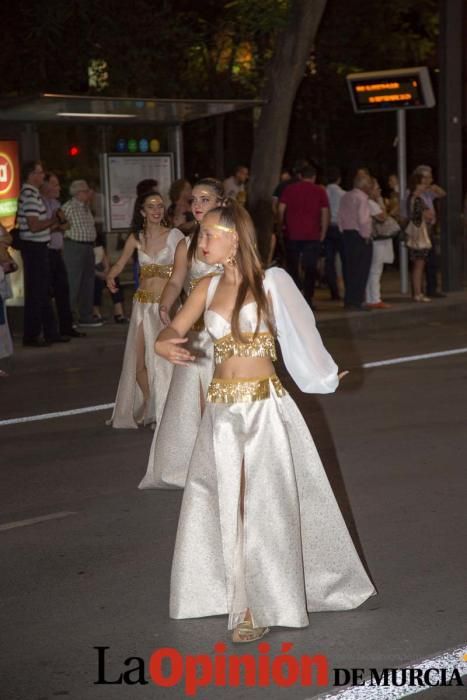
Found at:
[393, 442]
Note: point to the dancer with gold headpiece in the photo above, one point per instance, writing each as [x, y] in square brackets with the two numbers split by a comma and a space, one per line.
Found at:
[144, 381]
[260, 535]
[169, 459]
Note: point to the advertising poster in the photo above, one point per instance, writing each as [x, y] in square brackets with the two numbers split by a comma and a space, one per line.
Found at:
[121, 175]
[9, 182]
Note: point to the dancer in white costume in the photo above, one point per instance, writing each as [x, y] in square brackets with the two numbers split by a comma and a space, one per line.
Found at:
[260, 535]
[144, 380]
[169, 458]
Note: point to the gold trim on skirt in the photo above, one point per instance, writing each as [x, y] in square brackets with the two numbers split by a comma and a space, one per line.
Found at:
[243, 390]
[145, 296]
[259, 345]
[153, 270]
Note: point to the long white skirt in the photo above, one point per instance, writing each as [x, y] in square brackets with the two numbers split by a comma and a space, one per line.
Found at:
[130, 408]
[176, 432]
[292, 553]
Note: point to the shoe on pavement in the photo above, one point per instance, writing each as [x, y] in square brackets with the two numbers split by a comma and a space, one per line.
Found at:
[91, 323]
[76, 334]
[121, 319]
[379, 305]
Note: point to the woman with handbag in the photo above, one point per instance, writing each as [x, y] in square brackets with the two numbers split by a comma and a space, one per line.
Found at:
[417, 238]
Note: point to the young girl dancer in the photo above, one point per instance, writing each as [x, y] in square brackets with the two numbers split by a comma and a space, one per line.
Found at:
[260, 536]
[145, 380]
[169, 458]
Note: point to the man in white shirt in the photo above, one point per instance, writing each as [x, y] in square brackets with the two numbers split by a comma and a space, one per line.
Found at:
[235, 186]
[34, 225]
[333, 243]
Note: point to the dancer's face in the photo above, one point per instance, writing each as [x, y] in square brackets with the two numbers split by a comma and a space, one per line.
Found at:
[153, 209]
[216, 242]
[203, 199]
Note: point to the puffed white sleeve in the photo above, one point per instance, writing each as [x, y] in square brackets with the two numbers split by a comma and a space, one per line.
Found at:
[305, 357]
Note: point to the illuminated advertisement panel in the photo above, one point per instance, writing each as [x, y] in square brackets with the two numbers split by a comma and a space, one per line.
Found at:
[9, 181]
[407, 88]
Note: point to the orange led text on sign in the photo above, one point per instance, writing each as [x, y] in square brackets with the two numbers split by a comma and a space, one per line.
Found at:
[377, 87]
[391, 98]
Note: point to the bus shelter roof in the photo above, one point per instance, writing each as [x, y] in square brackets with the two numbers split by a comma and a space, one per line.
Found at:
[107, 110]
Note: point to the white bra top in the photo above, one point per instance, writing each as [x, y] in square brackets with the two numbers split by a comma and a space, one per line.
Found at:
[218, 327]
[199, 269]
[164, 256]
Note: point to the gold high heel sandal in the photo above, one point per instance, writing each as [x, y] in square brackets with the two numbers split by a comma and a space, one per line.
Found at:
[245, 632]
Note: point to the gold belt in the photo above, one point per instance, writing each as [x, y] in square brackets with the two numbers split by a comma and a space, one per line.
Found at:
[146, 297]
[259, 345]
[243, 390]
[162, 271]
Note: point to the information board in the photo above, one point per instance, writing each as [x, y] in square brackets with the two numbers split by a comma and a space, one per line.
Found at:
[121, 173]
[406, 88]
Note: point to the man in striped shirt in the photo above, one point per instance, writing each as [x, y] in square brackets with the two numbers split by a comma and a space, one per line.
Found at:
[79, 251]
[34, 228]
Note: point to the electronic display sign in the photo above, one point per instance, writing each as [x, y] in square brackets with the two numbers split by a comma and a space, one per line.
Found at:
[407, 88]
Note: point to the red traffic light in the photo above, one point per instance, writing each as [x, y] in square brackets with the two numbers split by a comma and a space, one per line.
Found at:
[73, 151]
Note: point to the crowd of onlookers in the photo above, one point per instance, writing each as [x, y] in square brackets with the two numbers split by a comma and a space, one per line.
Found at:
[356, 233]
[323, 234]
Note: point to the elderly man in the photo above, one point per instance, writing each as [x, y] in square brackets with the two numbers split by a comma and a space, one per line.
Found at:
[235, 186]
[79, 252]
[34, 225]
[354, 220]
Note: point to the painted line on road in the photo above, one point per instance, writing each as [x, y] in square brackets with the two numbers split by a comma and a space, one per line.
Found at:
[34, 521]
[57, 414]
[450, 659]
[415, 358]
[107, 406]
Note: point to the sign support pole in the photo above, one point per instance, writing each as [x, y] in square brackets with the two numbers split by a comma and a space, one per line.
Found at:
[402, 175]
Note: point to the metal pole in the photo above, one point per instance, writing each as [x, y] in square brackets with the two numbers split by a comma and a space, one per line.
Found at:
[402, 175]
[176, 144]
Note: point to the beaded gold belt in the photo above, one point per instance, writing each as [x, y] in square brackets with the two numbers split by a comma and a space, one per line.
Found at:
[259, 345]
[146, 297]
[243, 390]
[162, 271]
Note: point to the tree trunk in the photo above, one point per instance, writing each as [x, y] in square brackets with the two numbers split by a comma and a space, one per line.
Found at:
[283, 77]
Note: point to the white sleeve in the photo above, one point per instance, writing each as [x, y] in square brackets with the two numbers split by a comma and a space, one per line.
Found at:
[305, 357]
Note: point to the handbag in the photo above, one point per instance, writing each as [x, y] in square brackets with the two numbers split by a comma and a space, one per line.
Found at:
[382, 230]
[417, 237]
[6, 261]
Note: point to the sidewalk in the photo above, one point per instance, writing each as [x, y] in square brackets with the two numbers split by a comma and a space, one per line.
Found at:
[404, 311]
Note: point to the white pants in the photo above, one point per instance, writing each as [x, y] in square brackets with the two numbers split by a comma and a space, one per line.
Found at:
[383, 252]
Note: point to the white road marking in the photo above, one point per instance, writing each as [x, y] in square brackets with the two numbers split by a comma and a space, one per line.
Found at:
[415, 358]
[57, 414]
[450, 659]
[106, 406]
[39, 519]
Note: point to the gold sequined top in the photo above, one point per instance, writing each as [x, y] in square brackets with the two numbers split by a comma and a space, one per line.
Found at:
[154, 270]
[259, 345]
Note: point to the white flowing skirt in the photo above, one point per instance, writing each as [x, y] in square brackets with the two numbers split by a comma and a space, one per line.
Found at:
[292, 553]
[129, 404]
[175, 435]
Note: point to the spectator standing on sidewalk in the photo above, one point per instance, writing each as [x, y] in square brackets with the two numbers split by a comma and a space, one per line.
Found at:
[79, 252]
[432, 193]
[354, 220]
[235, 186]
[383, 249]
[50, 191]
[34, 225]
[304, 208]
[333, 243]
